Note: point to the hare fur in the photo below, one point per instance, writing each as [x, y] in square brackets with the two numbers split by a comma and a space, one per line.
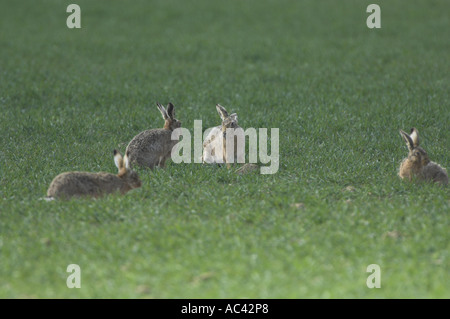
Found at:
[80, 184]
[153, 147]
[417, 164]
[214, 146]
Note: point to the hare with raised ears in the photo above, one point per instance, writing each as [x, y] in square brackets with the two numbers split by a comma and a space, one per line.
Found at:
[84, 184]
[417, 164]
[153, 147]
[214, 146]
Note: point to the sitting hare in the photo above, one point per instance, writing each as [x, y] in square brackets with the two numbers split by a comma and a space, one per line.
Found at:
[78, 184]
[153, 147]
[417, 164]
[214, 146]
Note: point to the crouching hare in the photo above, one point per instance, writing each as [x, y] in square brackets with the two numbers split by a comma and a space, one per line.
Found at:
[84, 184]
[417, 164]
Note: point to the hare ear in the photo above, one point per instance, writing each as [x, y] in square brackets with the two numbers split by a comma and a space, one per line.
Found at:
[222, 112]
[171, 110]
[118, 160]
[408, 140]
[414, 136]
[163, 111]
[126, 160]
[234, 117]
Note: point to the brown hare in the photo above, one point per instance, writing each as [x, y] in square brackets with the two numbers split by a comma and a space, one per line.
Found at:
[153, 147]
[417, 164]
[214, 146]
[84, 184]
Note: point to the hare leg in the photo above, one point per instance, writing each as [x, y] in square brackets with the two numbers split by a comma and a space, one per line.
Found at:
[162, 161]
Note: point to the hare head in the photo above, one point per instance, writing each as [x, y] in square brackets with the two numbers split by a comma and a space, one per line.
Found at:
[170, 122]
[416, 155]
[129, 176]
[228, 121]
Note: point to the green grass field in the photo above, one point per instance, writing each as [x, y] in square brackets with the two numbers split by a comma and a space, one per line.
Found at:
[338, 91]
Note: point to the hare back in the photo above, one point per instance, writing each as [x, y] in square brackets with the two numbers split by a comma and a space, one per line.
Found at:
[84, 184]
[148, 147]
[436, 173]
